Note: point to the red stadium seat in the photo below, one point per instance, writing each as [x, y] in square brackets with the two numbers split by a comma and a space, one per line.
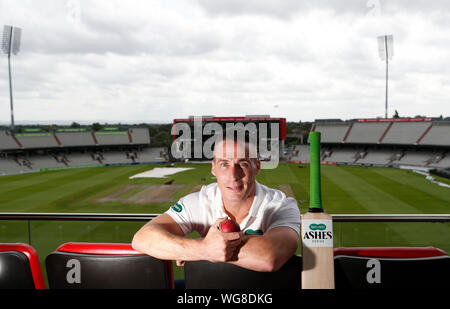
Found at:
[106, 266]
[390, 252]
[19, 267]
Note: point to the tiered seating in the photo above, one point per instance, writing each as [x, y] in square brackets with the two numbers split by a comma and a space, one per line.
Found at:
[140, 135]
[366, 133]
[7, 142]
[112, 138]
[73, 139]
[405, 132]
[332, 132]
[445, 162]
[9, 166]
[300, 153]
[376, 156]
[45, 161]
[112, 157]
[33, 141]
[439, 134]
[342, 155]
[418, 157]
[151, 155]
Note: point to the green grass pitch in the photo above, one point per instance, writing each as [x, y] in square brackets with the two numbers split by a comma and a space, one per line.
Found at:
[345, 190]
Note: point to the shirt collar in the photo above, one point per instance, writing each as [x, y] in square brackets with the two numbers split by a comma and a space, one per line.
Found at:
[259, 197]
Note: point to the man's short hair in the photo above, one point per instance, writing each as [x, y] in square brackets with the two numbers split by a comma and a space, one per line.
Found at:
[241, 136]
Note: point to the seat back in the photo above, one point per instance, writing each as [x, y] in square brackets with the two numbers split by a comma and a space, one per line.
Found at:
[209, 275]
[19, 267]
[390, 252]
[106, 266]
[391, 267]
[363, 272]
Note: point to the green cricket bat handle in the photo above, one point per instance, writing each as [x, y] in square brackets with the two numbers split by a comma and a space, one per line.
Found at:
[315, 192]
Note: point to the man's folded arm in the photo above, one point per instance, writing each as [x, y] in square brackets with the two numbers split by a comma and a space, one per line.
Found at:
[163, 238]
[268, 252]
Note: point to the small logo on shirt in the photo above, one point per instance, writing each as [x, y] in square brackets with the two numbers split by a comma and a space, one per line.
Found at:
[253, 232]
[177, 207]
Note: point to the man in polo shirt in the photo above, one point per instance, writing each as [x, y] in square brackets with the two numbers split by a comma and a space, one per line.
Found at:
[269, 221]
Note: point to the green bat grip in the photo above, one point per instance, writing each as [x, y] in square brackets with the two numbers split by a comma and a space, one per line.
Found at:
[315, 192]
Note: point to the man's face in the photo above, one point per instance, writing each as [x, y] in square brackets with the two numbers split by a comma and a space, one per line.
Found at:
[235, 171]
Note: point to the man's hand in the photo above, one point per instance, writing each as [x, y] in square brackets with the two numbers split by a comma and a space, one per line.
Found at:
[221, 247]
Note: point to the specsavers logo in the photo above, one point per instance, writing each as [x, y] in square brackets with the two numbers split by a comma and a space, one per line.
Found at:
[177, 207]
[319, 227]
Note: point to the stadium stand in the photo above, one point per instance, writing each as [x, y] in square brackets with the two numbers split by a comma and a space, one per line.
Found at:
[299, 153]
[115, 157]
[437, 135]
[209, 275]
[106, 266]
[366, 133]
[420, 142]
[20, 268]
[376, 157]
[39, 161]
[152, 155]
[418, 157]
[35, 149]
[405, 132]
[332, 132]
[74, 139]
[7, 142]
[139, 135]
[347, 155]
[37, 140]
[379, 142]
[10, 166]
[112, 138]
[443, 162]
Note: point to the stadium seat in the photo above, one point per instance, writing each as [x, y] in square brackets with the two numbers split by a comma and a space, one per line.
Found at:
[391, 267]
[390, 252]
[19, 267]
[106, 266]
[209, 275]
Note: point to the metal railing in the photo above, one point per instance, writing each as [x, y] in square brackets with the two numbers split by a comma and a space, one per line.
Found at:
[47, 231]
[32, 230]
[147, 217]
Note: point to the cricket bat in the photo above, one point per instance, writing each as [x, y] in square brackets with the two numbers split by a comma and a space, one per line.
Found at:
[317, 230]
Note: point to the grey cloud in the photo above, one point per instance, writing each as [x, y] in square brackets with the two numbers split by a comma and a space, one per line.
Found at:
[285, 8]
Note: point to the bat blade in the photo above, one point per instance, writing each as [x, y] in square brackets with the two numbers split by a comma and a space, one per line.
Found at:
[317, 230]
[317, 251]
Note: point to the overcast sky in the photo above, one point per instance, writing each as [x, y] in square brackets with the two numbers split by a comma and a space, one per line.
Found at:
[152, 61]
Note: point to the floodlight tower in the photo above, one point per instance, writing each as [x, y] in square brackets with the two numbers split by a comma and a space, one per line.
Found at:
[386, 51]
[11, 43]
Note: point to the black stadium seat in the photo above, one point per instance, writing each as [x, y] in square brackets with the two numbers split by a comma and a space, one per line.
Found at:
[19, 267]
[366, 268]
[106, 266]
[390, 252]
[209, 275]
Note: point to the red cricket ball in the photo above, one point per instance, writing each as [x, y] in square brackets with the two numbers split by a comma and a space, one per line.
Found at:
[229, 226]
